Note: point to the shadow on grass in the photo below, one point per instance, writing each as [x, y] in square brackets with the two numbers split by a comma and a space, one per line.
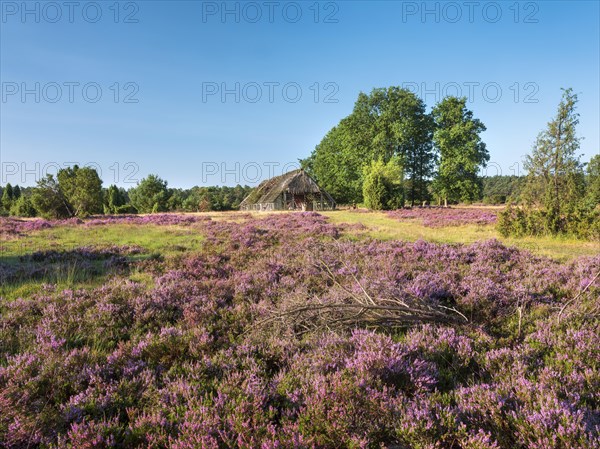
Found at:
[69, 267]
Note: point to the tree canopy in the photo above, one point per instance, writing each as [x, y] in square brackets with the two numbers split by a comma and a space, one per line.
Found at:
[387, 123]
[150, 195]
[82, 189]
[462, 152]
[393, 123]
[49, 199]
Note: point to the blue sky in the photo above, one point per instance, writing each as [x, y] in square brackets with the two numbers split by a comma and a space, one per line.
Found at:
[308, 60]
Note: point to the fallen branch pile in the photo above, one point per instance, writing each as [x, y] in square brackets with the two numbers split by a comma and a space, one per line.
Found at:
[342, 308]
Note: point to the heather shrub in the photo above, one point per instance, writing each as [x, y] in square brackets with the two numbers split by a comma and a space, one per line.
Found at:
[445, 216]
[453, 355]
[211, 352]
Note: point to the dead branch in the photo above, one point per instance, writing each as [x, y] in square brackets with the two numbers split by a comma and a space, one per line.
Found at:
[351, 309]
[572, 300]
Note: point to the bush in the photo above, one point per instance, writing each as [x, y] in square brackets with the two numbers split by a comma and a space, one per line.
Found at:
[23, 208]
[382, 187]
[583, 223]
[511, 222]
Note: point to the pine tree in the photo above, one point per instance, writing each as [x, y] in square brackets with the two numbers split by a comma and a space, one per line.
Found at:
[555, 177]
[7, 197]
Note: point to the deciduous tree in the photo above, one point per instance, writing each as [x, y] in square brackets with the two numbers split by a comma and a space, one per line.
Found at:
[387, 123]
[82, 187]
[462, 152]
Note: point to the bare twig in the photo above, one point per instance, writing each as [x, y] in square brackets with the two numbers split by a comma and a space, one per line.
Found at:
[570, 301]
[351, 309]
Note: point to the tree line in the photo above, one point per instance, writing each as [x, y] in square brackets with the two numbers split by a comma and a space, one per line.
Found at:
[390, 152]
[156, 196]
[78, 192]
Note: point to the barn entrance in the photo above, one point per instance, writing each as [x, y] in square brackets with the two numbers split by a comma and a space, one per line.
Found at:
[302, 202]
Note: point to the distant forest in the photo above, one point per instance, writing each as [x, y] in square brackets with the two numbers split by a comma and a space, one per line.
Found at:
[17, 201]
[150, 195]
[502, 189]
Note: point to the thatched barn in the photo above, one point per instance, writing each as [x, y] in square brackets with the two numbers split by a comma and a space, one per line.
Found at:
[294, 190]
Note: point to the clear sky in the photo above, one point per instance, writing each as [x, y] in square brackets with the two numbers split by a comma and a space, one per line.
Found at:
[206, 93]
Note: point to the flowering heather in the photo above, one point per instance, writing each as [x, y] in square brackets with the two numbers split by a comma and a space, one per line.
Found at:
[14, 227]
[153, 219]
[191, 361]
[445, 216]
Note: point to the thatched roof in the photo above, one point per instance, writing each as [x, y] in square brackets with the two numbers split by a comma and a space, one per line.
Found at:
[296, 182]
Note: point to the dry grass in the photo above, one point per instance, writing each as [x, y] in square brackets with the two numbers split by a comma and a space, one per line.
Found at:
[378, 225]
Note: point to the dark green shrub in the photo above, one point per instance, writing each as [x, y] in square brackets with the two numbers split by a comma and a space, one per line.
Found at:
[583, 222]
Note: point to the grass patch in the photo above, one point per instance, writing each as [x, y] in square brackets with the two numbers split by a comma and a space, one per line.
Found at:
[155, 241]
[380, 226]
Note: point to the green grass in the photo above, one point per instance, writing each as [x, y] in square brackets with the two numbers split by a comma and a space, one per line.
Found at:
[380, 226]
[64, 276]
[165, 241]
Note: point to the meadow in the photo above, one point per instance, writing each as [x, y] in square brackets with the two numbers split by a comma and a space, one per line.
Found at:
[414, 329]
